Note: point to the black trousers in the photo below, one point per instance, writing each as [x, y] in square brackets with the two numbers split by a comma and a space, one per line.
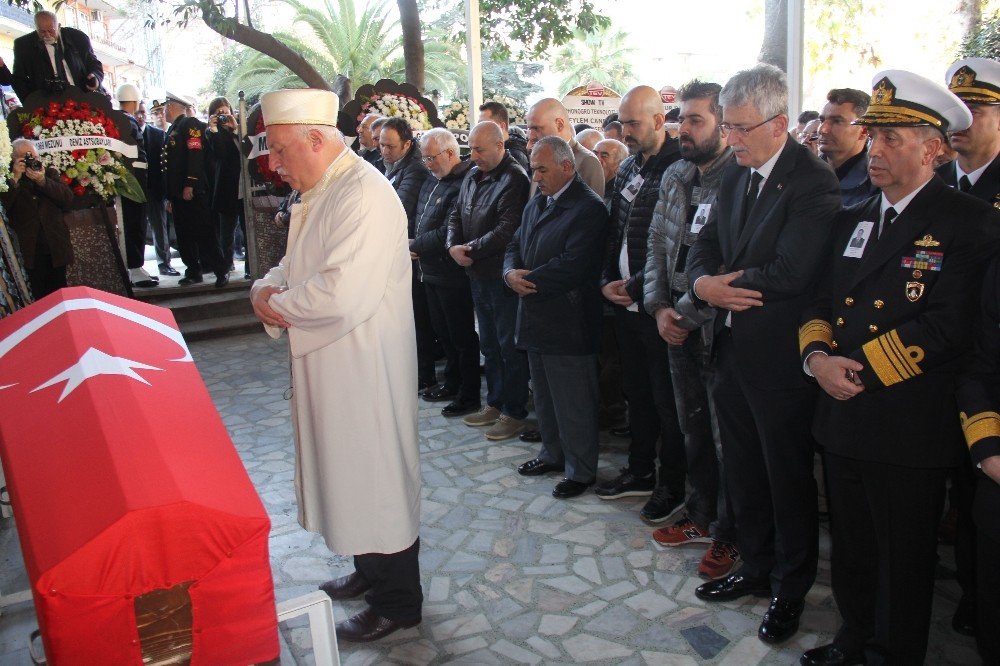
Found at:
[44, 278]
[453, 317]
[963, 496]
[988, 597]
[395, 581]
[884, 521]
[613, 410]
[651, 408]
[768, 449]
[197, 238]
[426, 373]
[156, 215]
[134, 219]
[227, 235]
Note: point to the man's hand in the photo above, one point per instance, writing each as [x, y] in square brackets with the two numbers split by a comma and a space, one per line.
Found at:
[263, 309]
[615, 292]
[17, 170]
[992, 468]
[460, 253]
[188, 193]
[515, 280]
[716, 290]
[414, 256]
[37, 176]
[837, 375]
[91, 82]
[666, 324]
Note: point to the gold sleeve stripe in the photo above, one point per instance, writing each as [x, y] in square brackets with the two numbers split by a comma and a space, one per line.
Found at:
[880, 362]
[891, 360]
[911, 355]
[980, 426]
[815, 330]
[896, 356]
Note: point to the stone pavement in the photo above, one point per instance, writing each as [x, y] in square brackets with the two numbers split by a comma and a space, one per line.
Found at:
[510, 575]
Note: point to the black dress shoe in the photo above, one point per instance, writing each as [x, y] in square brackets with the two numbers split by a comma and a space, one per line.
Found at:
[221, 280]
[190, 279]
[146, 284]
[461, 408]
[424, 384]
[439, 393]
[368, 626]
[167, 269]
[568, 488]
[530, 436]
[623, 431]
[732, 587]
[830, 655]
[964, 620]
[536, 467]
[781, 620]
[346, 587]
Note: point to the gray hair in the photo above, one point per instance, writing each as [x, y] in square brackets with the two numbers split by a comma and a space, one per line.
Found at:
[619, 149]
[561, 151]
[765, 87]
[46, 14]
[21, 142]
[329, 132]
[445, 139]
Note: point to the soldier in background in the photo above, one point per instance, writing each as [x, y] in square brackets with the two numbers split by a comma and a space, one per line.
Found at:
[134, 214]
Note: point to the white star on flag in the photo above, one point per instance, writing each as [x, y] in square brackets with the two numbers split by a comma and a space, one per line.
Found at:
[93, 363]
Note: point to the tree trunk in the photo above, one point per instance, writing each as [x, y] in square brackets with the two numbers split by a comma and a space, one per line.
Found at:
[774, 48]
[971, 12]
[268, 45]
[413, 45]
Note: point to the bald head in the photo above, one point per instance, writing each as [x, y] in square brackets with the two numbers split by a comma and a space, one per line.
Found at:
[589, 137]
[548, 117]
[486, 145]
[365, 131]
[642, 118]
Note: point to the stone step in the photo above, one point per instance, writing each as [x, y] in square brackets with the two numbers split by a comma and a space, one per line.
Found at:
[202, 311]
[217, 327]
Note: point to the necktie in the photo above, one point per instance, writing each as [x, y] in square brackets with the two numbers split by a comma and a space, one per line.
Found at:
[964, 184]
[751, 196]
[60, 67]
[887, 218]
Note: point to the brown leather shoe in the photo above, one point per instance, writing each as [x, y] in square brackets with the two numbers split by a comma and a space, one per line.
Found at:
[367, 626]
[346, 587]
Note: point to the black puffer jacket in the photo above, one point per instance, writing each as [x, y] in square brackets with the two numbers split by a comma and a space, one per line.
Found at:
[517, 147]
[407, 177]
[487, 214]
[633, 218]
[436, 201]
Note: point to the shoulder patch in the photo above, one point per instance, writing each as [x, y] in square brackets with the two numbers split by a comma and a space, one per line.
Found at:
[194, 143]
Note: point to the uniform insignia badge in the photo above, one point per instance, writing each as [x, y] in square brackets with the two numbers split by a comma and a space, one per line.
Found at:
[927, 241]
[194, 144]
[914, 290]
[996, 201]
[883, 93]
[963, 77]
[924, 260]
[194, 133]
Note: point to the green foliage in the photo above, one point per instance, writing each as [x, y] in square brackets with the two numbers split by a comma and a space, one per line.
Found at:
[602, 56]
[984, 42]
[834, 36]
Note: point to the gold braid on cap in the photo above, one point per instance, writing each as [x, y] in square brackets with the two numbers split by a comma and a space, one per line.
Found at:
[965, 86]
[885, 109]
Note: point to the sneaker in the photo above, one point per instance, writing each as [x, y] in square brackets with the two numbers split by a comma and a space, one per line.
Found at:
[484, 417]
[627, 485]
[506, 427]
[682, 532]
[719, 561]
[660, 507]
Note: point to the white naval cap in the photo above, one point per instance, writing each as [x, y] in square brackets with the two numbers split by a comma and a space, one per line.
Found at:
[975, 80]
[300, 106]
[905, 99]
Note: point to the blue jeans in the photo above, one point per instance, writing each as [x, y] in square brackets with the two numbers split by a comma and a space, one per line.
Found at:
[506, 366]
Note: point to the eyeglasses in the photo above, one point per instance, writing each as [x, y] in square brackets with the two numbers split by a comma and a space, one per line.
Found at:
[427, 159]
[727, 128]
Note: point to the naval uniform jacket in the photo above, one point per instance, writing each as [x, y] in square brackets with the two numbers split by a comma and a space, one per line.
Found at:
[987, 187]
[905, 309]
[184, 158]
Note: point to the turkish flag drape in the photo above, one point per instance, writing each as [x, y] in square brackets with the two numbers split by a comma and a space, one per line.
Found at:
[123, 481]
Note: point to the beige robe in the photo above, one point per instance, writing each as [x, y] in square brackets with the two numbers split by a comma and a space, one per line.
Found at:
[354, 365]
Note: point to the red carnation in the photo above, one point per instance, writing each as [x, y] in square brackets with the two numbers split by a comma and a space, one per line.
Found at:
[79, 190]
[85, 106]
[49, 123]
[78, 154]
[66, 179]
[27, 129]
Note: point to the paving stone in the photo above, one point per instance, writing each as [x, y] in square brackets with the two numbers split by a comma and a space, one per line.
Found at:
[586, 648]
[650, 604]
[516, 654]
[556, 625]
[706, 641]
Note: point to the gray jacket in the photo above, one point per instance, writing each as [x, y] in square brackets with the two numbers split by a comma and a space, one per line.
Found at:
[668, 228]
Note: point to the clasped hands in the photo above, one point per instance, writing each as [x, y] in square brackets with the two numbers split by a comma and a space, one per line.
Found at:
[262, 308]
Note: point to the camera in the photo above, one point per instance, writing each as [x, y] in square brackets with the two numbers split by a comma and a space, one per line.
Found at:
[31, 163]
[222, 117]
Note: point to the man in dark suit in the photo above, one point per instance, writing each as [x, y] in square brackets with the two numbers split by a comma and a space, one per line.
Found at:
[768, 231]
[134, 214]
[979, 402]
[553, 263]
[885, 339]
[53, 54]
[156, 214]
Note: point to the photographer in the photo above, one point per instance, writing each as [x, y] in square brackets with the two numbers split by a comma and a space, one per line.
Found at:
[224, 173]
[35, 202]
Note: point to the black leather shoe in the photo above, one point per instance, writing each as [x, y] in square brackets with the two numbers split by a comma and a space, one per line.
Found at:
[167, 269]
[146, 284]
[781, 620]
[530, 436]
[190, 279]
[536, 467]
[830, 655]
[623, 431]
[568, 488]
[221, 280]
[424, 384]
[367, 626]
[461, 408]
[964, 620]
[346, 587]
[732, 587]
[439, 393]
